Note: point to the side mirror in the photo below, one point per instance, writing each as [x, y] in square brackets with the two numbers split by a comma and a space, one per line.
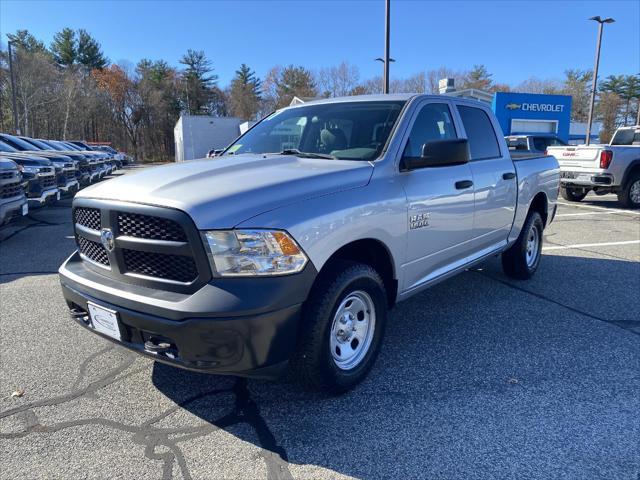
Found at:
[440, 153]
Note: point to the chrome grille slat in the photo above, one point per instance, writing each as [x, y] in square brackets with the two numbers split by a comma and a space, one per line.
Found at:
[11, 190]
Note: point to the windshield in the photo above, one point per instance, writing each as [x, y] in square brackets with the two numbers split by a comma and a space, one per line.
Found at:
[18, 143]
[627, 136]
[7, 148]
[53, 145]
[541, 143]
[38, 143]
[346, 130]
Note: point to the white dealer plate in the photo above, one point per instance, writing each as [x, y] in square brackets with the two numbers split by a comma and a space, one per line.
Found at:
[58, 195]
[25, 209]
[104, 320]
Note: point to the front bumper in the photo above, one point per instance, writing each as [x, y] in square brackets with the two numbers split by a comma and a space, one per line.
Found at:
[245, 327]
[11, 208]
[71, 186]
[46, 196]
[586, 179]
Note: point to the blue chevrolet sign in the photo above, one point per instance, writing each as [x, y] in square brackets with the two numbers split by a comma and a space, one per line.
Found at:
[527, 113]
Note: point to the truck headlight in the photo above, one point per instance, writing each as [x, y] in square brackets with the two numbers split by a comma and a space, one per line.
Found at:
[253, 253]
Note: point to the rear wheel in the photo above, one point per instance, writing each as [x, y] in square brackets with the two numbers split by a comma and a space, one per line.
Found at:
[573, 194]
[629, 196]
[522, 259]
[342, 328]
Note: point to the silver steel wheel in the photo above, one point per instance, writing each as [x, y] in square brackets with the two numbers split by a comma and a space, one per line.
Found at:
[634, 192]
[352, 330]
[533, 241]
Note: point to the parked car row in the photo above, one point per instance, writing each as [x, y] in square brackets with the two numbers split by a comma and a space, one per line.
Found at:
[35, 172]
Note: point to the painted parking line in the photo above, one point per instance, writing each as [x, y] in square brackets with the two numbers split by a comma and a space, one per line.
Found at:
[606, 209]
[584, 245]
[584, 214]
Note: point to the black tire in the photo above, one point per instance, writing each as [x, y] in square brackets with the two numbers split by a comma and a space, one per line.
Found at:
[313, 364]
[626, 196]
[515, 261]
[573, 194]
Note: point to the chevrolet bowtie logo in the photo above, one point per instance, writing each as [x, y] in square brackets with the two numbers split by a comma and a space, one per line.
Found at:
[513, 106]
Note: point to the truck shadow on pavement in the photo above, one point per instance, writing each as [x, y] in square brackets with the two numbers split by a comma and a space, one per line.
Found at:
[478, 373]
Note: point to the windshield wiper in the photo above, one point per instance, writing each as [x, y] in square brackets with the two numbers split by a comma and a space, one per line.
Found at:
[295, 151]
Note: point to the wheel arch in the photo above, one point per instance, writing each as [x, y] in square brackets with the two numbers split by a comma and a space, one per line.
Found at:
[633, 167]
[540, 204]
[372, 252]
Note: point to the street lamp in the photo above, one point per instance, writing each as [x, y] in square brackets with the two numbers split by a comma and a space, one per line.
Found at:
[13, 91]
[601, 22]
[385, 78]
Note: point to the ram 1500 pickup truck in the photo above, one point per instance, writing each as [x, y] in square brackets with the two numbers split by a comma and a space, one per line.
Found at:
[290, 247]
[612, 168]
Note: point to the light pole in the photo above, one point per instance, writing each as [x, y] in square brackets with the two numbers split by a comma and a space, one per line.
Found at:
[13, 93]
[601, 22]
[385, 79]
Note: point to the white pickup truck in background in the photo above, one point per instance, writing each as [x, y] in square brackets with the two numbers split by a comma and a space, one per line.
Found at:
[612, 168]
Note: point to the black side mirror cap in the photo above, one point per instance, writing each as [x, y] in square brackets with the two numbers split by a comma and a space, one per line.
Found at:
[440, 153]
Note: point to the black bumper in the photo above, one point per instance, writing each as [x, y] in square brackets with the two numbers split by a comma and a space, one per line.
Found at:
[244, 327]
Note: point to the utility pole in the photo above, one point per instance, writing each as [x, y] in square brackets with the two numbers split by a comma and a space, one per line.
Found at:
[387, 39]
[594, 85]
[13, 93]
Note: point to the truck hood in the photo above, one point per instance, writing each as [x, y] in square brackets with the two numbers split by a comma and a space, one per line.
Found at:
[223, 192]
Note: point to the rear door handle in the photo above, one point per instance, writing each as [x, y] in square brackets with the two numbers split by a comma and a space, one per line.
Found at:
[462, 184]
[508, 175]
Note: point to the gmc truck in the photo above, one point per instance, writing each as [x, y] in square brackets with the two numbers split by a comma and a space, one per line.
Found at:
[290, 247]
[612, 168]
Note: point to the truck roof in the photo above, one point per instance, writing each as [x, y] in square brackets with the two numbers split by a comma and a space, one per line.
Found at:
[385, 96]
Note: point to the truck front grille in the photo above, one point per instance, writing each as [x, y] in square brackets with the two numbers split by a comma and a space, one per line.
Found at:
[152, 246]
[93, 251]
[11, 190]
[87, 217]
[6, 175]
[48, 182]
[154, 228]
[167, 267]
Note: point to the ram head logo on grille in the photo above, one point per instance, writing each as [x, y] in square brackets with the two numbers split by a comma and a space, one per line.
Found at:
[106, 238]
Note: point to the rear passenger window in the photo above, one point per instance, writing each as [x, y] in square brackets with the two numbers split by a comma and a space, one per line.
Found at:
[483, 143]
[433, 123]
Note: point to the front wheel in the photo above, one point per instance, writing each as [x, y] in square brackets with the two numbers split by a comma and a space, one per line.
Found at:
[629, 196]
[522, 259]
[573, 194]
[342, 328]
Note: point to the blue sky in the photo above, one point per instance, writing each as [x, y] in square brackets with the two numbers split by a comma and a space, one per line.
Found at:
[514, 39]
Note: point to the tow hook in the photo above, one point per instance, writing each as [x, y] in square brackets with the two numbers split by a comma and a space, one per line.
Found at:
[157, 345]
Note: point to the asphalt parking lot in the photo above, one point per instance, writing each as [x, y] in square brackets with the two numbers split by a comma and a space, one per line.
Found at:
[479, 377]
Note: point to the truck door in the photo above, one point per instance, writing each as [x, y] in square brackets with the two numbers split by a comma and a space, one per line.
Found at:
[440, 201]
[494, 179]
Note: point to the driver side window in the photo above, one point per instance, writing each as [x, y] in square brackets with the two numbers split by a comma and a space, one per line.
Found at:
[434, 122]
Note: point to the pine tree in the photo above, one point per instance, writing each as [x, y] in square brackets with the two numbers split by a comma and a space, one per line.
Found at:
[64, 47]
[89, 53]
[198, 81]
[24, 40]
[244, 96]
[478, 78]
[294, 82]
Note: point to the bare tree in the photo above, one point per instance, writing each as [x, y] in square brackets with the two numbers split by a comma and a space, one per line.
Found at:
[337, 81]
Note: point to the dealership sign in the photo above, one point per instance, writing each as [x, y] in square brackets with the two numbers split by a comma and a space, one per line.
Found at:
[536, 107]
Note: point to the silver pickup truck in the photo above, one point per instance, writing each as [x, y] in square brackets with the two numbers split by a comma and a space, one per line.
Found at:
[290, 247]
[612, 168]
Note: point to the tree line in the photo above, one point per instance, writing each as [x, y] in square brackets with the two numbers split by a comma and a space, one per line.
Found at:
[71, 90]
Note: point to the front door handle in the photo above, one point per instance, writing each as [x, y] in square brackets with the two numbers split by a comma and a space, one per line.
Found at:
[462, 184]
[508, 175]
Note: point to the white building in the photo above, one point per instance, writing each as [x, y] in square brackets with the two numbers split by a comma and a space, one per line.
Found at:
[195, 135]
